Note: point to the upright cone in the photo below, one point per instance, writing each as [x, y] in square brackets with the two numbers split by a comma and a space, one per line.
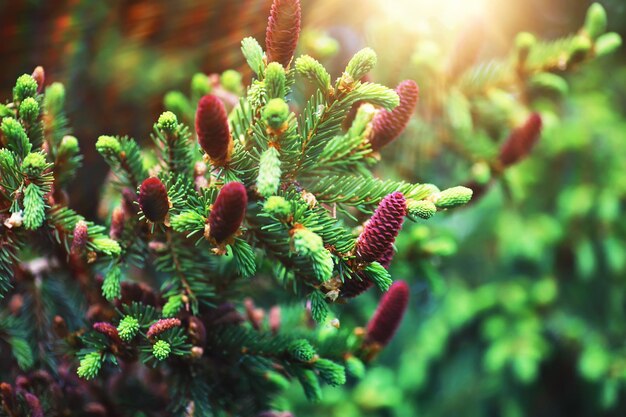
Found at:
[283, 30]
[521, 141]
[388, 125]
[228, 212]
[388, 315]
[212, 129]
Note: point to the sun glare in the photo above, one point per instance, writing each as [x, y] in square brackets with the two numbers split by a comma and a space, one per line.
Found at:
[449, 13]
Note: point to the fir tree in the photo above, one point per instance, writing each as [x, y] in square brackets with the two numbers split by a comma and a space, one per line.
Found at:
[256, 192]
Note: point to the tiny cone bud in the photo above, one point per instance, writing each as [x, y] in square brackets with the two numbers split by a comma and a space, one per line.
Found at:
[212, 129]
[153, 199]
[228, 211]
[380, 232]
[275, 319]
[6, 395]
[283, 30]
[388, 315]
[161, 326]
[108, 330]
[388, 125]
[33, 404]
[521, 141]
[424, 209]
[39, 76]
[117, 223]
[197, 331]
[81, 233]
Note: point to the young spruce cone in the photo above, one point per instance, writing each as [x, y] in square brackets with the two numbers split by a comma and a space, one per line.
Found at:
[521, 141]
[380, 233]
[212, 129]
[388, 125]
[283, 30]
[153, 199]
[376, 241]
[228, 211]
[388, 315]
[161, 326]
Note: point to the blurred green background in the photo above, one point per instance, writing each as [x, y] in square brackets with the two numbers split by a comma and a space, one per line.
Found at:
[518, 302]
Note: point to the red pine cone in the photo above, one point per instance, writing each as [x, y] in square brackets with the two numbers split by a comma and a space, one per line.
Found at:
[388, 125]
[39, 76]
[108, 330]
[228, 211]
[212, 129]
[79, 240]
[377, 238]
[521, 140]
[153, 199]
[33, 404]
[161, 326]
[118, 218]
[388, 315]
[283, 30]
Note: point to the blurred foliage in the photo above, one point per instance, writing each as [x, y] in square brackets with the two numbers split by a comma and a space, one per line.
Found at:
[527, 317]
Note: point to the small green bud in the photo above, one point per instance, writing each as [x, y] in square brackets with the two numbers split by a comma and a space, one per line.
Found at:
[277, 207]
[595, 22]
[26, 86]
[90, 365]
[453, 197]
[161, 350]
[108, 146]
[34, 207]
[608, 43]
[173, 305]
[34, 164]
[275, 80]
[177, 103]
[306, 242]
[481, 172]
[423, 209]
[257, 93]
[301, 350]
[275, 113]
[524, 41]
[549, 82]
[268, 180]
[355, 367]
[361, 63]
[69, 145]
[14, 132]
[167, 121]
[314, 71]
[111, 286]
[7, 161]
[200, 85]
[29, 110]
[54, 99]
[231, 80]
[332, 373]
[128, 328]
[253, 53]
